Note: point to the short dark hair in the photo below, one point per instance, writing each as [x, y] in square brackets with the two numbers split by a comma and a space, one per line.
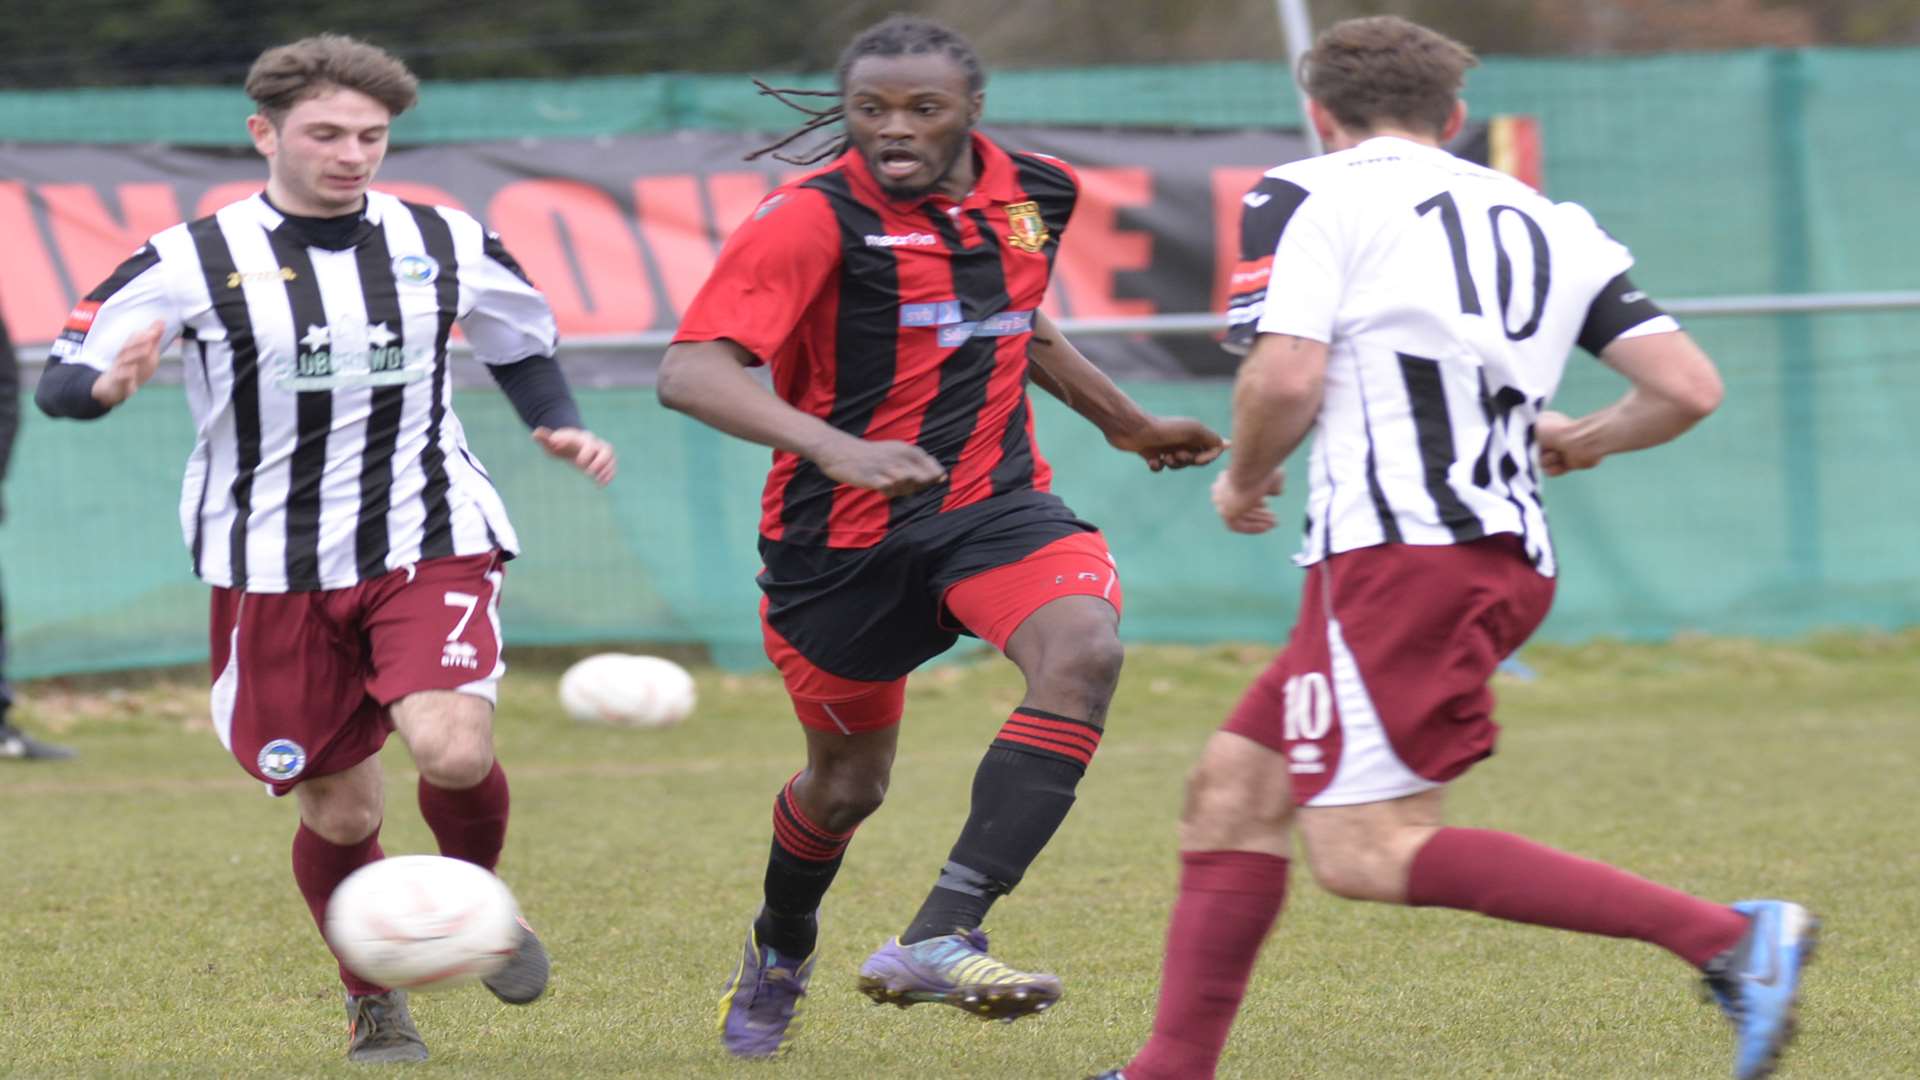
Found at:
[1384, 69]
[286, 75]
[899, 35]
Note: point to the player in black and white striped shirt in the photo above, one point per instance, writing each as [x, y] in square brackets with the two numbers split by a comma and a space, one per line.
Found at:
[354, 544]
[1413, 312]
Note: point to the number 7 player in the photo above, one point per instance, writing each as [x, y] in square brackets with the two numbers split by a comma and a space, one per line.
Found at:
[355, 547]
[1414, 312]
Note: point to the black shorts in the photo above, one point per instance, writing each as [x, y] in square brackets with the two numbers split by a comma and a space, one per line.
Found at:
[875, 613]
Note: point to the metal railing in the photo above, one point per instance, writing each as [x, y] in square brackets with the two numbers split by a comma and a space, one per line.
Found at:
[1211, 322]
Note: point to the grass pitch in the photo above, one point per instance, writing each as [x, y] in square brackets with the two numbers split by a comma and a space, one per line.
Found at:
[149, 925]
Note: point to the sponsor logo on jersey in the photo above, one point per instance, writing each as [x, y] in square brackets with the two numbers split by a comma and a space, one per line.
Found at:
[1004, 324]
[890, 240]
[1256, 199]
[416, 269]
[1029, 232]
[938, 313]
[255, 277]
[460, 654]
[319, 366]
[282, 759]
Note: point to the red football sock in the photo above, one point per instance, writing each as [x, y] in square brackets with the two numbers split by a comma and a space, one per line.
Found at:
[1511, 877]
[1228, 903]
[319, 866]
[470, 824]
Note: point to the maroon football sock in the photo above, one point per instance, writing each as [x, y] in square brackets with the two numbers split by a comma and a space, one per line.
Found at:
[1511, 877]
[471, 823]
[1228, 903]
[319, 866]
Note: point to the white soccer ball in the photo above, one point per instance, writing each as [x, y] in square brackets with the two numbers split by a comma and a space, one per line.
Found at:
[422, 922]
[627, 691]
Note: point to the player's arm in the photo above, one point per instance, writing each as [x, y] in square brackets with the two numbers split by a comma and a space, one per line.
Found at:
[1173, 442]
[1674, 384]
[1276, 399]
[708, 381]
[512, 329]
[110, 345]
[767, 276]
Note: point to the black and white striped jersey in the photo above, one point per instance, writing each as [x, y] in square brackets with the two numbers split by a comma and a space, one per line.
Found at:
[327, 451]
[1449, 295]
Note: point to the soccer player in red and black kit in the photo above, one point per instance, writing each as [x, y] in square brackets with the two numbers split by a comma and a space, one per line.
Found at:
[355, 547]
[895, 294]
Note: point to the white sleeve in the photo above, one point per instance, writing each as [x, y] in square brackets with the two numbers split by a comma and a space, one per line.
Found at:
[505, 318]
[132, 297]
[1308, 278]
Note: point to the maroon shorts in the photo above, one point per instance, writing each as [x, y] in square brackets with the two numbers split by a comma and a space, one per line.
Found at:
[991, 605]
[1381, 692]
[302, 680]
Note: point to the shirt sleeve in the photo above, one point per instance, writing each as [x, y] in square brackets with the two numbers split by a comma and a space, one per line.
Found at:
[508, 320]
[1619, 309]
[1308, 276]
[133, 296]
[1265, 213]
[768, 274]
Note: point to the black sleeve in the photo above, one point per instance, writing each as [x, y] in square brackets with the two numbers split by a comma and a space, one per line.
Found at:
[9, 399]
[67, 390]
[1619, 308]
[538, 391]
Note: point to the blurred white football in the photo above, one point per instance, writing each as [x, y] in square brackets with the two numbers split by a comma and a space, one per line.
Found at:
[422, 922]
[627, 691]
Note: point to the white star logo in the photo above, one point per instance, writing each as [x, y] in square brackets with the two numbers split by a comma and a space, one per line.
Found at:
[318, 337]
[379, 336]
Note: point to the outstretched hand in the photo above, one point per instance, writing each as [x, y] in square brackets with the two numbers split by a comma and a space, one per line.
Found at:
[135, 363]
[1245, 510]
[582, 448]
[1171, 442]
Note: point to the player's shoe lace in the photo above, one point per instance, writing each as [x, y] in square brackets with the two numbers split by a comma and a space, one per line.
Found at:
[525, 975]
[1757, 982]
[956, 969]
[380, 1030]
[761, 1002]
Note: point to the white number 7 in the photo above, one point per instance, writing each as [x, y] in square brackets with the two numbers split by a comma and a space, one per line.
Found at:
[461, 600]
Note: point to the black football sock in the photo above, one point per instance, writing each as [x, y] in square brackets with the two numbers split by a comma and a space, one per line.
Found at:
[800, 868]
[1021, 793]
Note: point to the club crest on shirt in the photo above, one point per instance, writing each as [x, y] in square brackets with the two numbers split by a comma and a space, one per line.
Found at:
[282, 759]
[416, 269]
[1029, 232]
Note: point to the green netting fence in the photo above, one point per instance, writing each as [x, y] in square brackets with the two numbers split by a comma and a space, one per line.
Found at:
[1793, 509]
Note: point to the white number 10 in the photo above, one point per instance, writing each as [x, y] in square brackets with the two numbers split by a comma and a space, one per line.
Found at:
[1309, 706]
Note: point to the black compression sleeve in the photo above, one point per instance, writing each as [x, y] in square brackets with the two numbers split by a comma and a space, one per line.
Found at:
[67, 390]
[1619, 308]
[538, 392]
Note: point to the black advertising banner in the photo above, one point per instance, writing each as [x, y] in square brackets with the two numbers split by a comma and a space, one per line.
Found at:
[621, 231]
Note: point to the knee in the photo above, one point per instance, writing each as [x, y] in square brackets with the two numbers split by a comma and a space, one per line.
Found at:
[343, 821]
[1233, 809]
[457, 760]
[1354, 874]
[851, 796]
[1087, 670]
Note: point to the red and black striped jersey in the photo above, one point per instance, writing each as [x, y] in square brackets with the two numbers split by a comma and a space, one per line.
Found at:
[894, 320]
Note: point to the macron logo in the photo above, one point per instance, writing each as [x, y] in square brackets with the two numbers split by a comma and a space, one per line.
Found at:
[917, 239]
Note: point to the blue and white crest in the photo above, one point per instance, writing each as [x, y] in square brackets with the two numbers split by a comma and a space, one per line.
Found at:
[282, 759]
[416, 269]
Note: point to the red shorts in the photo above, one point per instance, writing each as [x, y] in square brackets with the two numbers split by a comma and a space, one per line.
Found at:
[1381, 692]
[991, 605]
[302, 680]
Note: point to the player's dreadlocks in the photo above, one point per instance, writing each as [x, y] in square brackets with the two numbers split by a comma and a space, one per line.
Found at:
[898, 35]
